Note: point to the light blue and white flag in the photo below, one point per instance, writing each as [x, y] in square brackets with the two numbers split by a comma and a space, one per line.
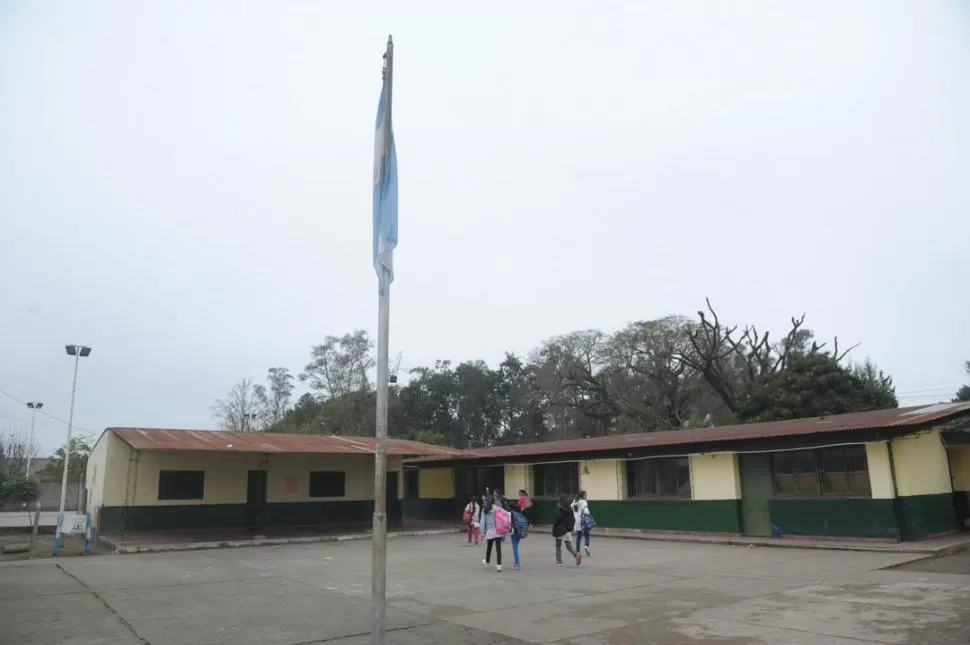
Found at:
[385, 195]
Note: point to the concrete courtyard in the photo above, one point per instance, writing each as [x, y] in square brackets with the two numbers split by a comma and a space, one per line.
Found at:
[630, 593]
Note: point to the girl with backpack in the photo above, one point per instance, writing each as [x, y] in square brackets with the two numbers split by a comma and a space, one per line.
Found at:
[492, 535]
[563, 527]
[525, 503]
[583, 523]
[471, 517]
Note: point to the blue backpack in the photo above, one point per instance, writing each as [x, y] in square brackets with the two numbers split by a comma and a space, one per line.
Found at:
[521, 524]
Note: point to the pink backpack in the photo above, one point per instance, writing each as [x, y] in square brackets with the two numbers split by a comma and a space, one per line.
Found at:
[503, 521]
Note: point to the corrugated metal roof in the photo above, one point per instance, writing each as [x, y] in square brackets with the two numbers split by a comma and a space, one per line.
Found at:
[873, 420]
[270, 442]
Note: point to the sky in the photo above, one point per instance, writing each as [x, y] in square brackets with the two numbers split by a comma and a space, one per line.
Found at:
[186, 186]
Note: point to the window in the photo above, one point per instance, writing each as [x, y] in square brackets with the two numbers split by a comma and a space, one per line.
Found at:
[411, 483]
[181, 484]
[327, 483]
[550, 480]
[840, 471]
[664, 477]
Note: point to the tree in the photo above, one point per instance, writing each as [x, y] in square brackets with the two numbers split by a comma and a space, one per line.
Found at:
[963, 394]
[239, 411]
[340, 365]
[53, 470]
[810, 385]
[735, 363]
[15, 450]
[273, 399]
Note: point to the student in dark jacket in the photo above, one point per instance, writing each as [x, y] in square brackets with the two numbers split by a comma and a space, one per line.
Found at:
[563, 527]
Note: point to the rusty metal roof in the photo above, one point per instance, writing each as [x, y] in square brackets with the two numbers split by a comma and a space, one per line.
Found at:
[912, 417]
[270, 442]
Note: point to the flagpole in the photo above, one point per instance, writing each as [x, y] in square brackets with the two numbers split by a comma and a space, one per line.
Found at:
[379, 542]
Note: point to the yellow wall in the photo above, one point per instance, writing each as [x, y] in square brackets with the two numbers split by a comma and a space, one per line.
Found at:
[436, 483]
[226, 476]
[601, 479]
[959, 467]
[921, 464]
[715, 476]
[107, 472]
[880, 470]
[517, 476]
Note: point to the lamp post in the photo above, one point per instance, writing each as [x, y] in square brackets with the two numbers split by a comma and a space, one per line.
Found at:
[78, 352]
[34, 406]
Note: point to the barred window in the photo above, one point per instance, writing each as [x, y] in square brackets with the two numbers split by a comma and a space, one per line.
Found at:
[550, 480]
[842, 471]
[663, 477]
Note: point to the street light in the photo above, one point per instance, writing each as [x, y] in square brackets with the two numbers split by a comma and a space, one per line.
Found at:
[78, 352]
[34, 406]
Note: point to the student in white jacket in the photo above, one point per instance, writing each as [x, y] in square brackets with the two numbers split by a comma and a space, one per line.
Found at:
[580, 508]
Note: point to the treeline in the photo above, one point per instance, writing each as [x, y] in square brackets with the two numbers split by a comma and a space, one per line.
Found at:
[662, 374]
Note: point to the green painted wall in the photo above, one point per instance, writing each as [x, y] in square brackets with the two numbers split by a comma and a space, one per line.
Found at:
[702, 516]
[926, 515]
[864, 518]
[115, 519]
[446, 510]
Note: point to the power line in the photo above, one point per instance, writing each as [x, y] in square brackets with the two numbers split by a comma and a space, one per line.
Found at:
[46, 414]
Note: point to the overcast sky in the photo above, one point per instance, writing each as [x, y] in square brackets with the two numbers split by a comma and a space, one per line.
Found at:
[186, 186]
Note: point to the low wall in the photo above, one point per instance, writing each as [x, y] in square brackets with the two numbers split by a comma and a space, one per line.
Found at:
[702, 516]
[115, 519]
[863, 518]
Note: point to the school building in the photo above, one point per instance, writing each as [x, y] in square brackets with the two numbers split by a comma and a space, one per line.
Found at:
[899, 474]
[154, 479]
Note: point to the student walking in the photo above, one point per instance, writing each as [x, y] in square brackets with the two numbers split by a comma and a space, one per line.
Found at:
[492, 538]
[472, 517]
[583, 522]
[525, 504]
[563, 527]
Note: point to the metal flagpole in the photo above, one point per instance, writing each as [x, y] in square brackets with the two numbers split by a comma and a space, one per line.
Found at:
[379, 542]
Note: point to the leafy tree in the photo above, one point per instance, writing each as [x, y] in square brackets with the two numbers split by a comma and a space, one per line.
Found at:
[53, 470]
[813, 384]
[18, 488]
[340, 365]
[963, 394]
[273, 399]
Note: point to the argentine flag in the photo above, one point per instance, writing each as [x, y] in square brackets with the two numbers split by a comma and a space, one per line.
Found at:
[385, 195]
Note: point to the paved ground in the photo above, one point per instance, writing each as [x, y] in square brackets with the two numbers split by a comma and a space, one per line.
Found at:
[631, 593]
[958, 563]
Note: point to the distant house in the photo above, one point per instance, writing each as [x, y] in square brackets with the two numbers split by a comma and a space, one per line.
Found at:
[899, 474]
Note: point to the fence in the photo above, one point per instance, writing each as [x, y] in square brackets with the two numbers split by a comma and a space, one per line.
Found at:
[50, 498]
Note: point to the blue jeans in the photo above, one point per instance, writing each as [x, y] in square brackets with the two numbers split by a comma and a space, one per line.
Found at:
[583, 533]
[515, 548]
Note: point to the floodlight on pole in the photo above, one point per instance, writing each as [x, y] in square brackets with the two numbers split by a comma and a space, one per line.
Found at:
[34, 406]
[78, 352]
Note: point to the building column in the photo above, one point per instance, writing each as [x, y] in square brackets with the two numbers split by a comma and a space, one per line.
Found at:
[925, 493]
[715, 485]
[601, 479]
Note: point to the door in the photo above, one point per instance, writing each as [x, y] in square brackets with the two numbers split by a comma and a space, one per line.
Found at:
[756, 489]
[255, 499]
[394, 510]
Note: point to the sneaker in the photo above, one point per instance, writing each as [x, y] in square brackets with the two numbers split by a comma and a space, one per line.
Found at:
[516, 567]
[559, 564]
[588, 552]
[484, 564]
[579, 560]
[498, 568]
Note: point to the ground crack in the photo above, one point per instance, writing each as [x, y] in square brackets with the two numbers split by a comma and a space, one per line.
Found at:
[330, 639]
[86, 586]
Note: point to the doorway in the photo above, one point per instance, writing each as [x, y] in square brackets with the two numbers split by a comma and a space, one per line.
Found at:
[756, 489]
[255, 499]
[394, 508]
